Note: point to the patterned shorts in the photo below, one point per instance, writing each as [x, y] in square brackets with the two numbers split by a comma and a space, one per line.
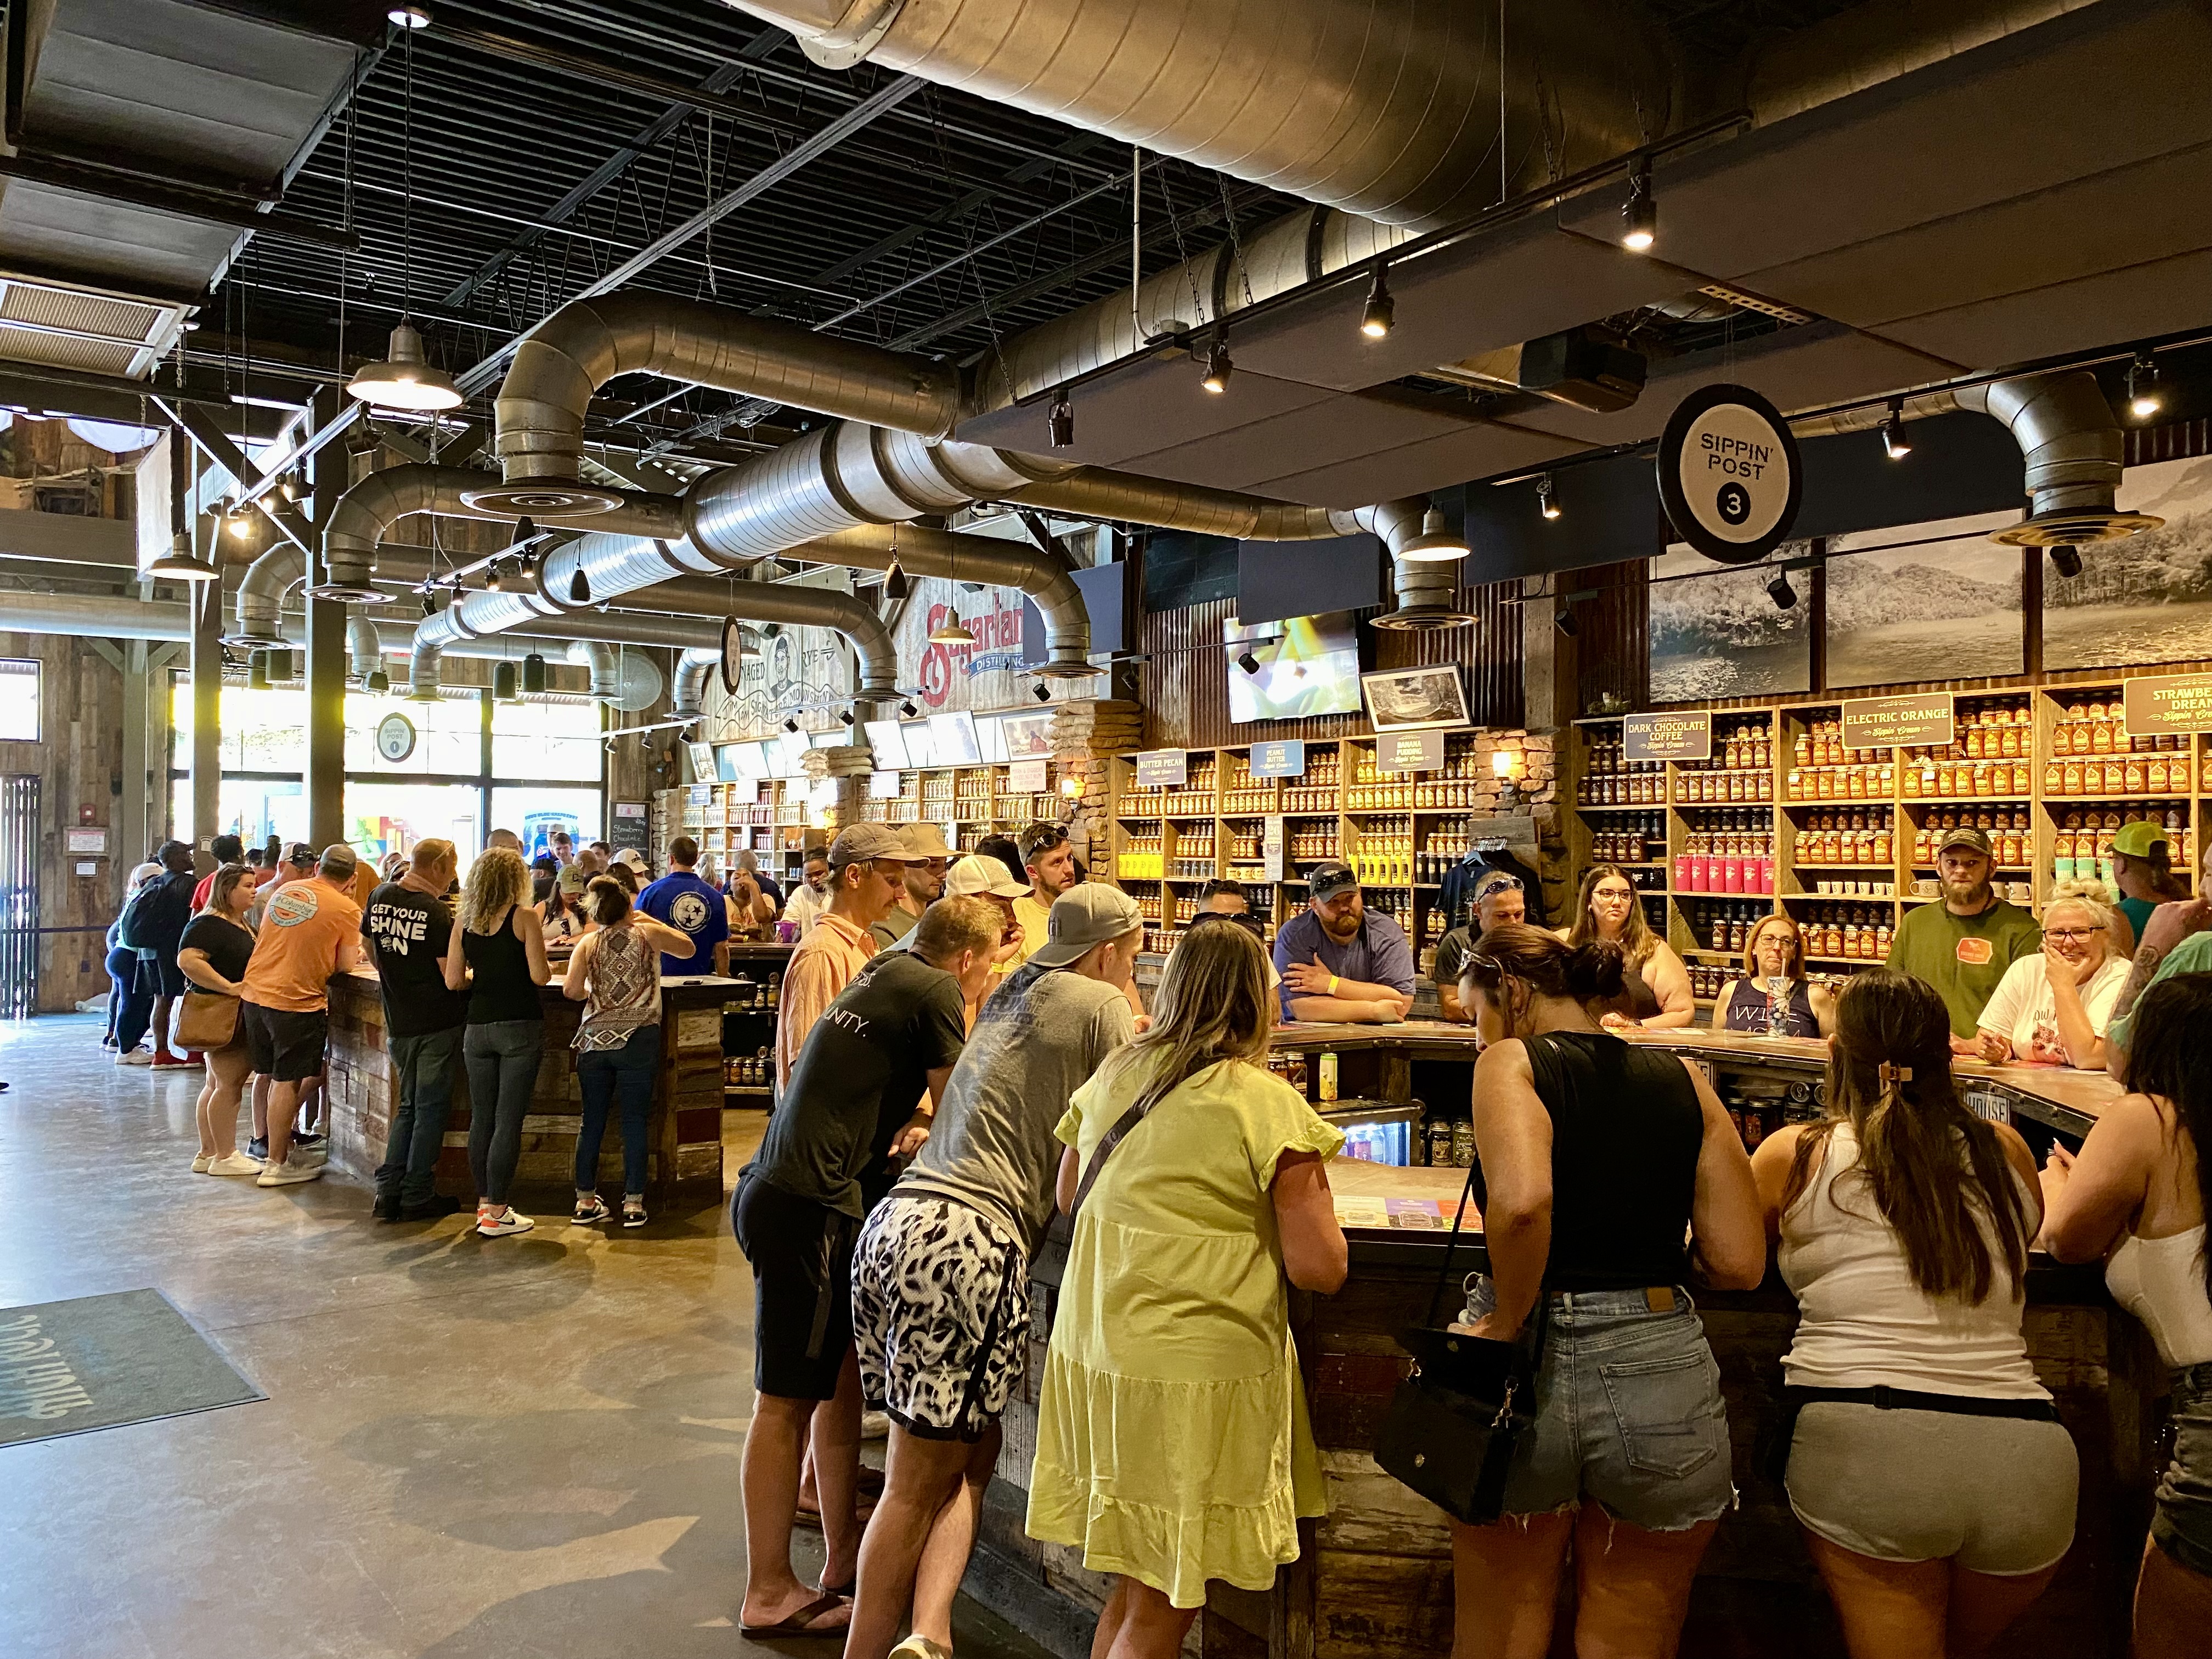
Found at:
[940, 1315]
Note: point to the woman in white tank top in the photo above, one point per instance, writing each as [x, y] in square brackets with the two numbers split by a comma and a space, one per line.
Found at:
[2139, 1190]
[1934, 1483]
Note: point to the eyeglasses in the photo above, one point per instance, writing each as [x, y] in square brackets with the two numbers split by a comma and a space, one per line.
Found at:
[2074, 935]
[1042, 841]
[1621, 893]
[1499, 882]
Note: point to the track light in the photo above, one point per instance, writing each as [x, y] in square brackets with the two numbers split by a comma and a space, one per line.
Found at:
[2143, 396]
[1435, 545]
[289, 486]
[896, 585]
[1894, 443]
[239, 518]
[790, 725]
[1041, 692]
[1217, 368]
[496, 580]
[1249, 663]
[504, 686]
[429, 603]
[1563, 620]
[907, 709]
[1780, 592]
[533, 673]
[1639, 215]
[1060, 423]
[376, 683]
[405, 378]
[2066, 561]
[844, 717]
[1382, 310]
[1547, 503]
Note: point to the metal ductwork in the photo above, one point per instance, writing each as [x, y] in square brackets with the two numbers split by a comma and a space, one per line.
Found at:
[693, 669]
[364, 649]
[618, 679]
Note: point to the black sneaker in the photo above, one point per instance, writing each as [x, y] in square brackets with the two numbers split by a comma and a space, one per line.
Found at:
[258, 1147]
[386, 1209]
[311, 1138]
[430, 1210]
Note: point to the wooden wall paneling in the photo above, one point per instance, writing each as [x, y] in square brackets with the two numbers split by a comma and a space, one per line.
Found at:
[1612, 637]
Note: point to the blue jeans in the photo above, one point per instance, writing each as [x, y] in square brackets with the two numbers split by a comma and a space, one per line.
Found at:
[129, 1009]
[502, 1056]
[421, 1093]
[608, 1074]
[2183, 1524]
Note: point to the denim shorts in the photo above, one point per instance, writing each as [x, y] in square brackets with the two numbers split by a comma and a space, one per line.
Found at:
[2182, 1525]
[1628, 1412]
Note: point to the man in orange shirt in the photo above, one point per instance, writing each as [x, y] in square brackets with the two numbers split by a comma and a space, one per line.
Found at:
[311, 931]
[867, 873]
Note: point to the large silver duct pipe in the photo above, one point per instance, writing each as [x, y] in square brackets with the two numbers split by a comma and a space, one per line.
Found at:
[618, 679]
[693, 669]
[364, 650]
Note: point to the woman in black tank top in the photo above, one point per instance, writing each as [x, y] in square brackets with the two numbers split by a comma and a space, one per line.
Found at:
[1600, 1158]
[498, 954]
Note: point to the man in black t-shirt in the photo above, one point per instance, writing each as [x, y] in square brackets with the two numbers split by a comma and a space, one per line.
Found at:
[407, 924]
[852, 1106]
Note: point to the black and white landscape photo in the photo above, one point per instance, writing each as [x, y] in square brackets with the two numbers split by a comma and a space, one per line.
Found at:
[2147, 598]
[1716, 632]
[1937, 601]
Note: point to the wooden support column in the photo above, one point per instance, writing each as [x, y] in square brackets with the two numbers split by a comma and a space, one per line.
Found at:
[326, 650]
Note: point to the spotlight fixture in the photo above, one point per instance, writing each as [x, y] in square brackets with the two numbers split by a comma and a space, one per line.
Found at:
[951, 631]
[2066, 561]
[908, 708]
[407, 17]
[504, 687]
[405, 378]
[289, 486]
[1563, 620]
[1218, 366]
[429, 602]
[177, 564]
[1041, 692]
[844, 717]
[1894, 443]
[238, 517]
[533, 673]
[896, 585]
[1249, 663]
[789, 724]
[1380, 310]
[2143, 396]
[1435, 545]
[1060, 422]
[1547, 503]
[496, 579]
[1780, 592]
[376, 683]
[1639, 215]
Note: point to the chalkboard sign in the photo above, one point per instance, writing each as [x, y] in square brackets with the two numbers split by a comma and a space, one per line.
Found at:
[632, 826]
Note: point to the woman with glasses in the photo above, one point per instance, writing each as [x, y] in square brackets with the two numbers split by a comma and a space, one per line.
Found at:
[1655, 987]
[1774, 997]
[2052, 1008]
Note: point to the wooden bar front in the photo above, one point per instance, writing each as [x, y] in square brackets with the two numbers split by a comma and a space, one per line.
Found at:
[684, 1133]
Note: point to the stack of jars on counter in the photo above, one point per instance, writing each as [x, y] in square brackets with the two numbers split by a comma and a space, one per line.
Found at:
[1858, 840]
[1611, 779]
[1849, 933]
[1629, 840]
[2011, 839]
[1734, 852]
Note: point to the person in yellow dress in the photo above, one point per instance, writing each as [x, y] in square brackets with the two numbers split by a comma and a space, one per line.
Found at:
[1172, 1440]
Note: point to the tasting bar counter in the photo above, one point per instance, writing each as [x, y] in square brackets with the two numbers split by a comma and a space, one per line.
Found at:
[1374, 1580]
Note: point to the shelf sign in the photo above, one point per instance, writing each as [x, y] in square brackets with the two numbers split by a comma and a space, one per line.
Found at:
[883, 785]
[1025, 777]
[1687, 737]
[1410, 751]
[700, 794]
[1287, 759]
[2167, 703]
[1163, 768]
[1916, 719]
[1271, 841]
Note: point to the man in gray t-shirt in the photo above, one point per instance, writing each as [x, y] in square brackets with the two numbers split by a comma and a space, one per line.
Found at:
[941, 1275]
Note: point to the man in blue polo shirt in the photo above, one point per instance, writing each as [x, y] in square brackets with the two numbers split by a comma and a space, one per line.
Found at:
[682, 900]
[1338, 963]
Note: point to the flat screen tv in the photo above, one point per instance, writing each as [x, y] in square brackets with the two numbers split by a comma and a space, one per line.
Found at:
[1290, 670]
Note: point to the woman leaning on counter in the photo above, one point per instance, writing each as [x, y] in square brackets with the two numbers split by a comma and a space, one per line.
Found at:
[1655, 987]
[2051, 1008]
[1774, 997]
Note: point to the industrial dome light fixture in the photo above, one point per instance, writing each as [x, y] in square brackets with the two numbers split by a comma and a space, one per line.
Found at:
[405, 378]
[177, 564]
[2066, 561]
[1435, 545]
[1894, 443]
[407, 17]
[1639, 215]
[1380, 310]
[896, 585]
[579, 585]
[1060, 422]
[1547, 503]
[533, 673]
[1218, 368]
[1780, 592]
[951, 631]
[2144, 398]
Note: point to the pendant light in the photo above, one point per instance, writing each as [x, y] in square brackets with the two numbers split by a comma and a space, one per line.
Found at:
[1382, 311]
[404, 380]
[1435, 545]
[503, 686]
[1060, 422]
[1639, 215]
[1218, 366]
[896, 585]
[533, 674]
[177, 564]
[951, 631]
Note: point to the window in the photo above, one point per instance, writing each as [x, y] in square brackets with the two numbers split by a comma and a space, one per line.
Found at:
[262, 731]
[448, 736]
[383, 817]
[252, 809]
[556, 738]
[535, 811]
[19, 700]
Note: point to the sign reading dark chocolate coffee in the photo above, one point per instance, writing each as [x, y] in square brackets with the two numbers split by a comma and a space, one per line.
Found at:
[1410, 751]
[1683, 737]
[1916, 718]
[2167, 703]
[1729, 474]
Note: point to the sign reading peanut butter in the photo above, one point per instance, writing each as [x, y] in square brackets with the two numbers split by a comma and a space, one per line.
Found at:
[1918, 717]
[1687, 737]
[2167, 703]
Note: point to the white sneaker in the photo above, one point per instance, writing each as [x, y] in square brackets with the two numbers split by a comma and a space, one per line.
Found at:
[200, 1162]
[289, 1174]
[234, 1163]
[493, 1226]
[135, 1057]
[317, 1154]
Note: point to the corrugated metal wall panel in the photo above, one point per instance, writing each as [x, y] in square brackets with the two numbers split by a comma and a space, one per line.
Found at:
[1612, 638]
[2178, 440]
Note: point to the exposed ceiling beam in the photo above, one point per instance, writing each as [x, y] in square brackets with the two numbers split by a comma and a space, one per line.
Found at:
[186, 201]
[214, 443]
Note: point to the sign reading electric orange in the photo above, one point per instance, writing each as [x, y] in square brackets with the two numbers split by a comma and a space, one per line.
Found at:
[2167, 703]
[1915, 719]
[1687, 737]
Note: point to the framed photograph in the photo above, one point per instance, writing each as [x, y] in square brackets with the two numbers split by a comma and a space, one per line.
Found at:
[955, 740]
[1406, 699]
[2148, 598]
[1716, 632]
[1903, 599]
[920, 747]
[1028, 736]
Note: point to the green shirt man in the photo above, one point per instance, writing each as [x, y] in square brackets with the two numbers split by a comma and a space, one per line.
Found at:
[1964, 955]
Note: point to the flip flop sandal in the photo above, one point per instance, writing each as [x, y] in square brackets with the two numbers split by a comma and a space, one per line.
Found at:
[800, 1622]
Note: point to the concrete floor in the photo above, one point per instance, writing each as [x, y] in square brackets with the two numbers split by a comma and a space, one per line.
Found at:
[503, 1447]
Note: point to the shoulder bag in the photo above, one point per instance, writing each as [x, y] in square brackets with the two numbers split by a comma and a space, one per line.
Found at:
[208, 1020]
[1454, 1425]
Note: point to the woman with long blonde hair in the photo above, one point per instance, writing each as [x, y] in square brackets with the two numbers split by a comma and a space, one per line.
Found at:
[1656, 989]
[498, 954]
[1172, 1441]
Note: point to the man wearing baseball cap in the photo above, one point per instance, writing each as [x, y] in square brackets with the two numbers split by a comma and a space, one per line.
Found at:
[2143, 869]
[940, 1274]
[1963, 945]
[867, 872]
[1338, 963]
[1498, 897]
[982, 876]
[929, 860]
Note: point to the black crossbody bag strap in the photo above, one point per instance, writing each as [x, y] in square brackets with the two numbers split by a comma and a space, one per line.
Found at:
[1129, 1119]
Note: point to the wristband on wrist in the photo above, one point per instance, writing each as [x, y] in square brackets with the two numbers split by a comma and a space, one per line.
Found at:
[1332, 982]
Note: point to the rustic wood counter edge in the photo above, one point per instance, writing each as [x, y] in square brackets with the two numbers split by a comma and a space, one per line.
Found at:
[684, 1133]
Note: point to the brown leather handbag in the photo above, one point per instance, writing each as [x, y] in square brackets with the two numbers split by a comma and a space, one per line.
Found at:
[210, 1020]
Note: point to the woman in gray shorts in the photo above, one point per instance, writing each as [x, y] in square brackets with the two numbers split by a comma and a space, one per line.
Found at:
[1929, 1468]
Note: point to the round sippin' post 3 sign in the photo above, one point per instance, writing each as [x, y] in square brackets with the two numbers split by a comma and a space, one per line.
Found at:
[1729, 474]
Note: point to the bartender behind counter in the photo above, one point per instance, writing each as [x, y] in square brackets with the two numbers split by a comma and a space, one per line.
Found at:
[1963, 945]
[1340, 964]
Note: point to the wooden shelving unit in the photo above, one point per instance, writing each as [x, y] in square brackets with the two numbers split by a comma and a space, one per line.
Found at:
[1840, 839]
[978, 800]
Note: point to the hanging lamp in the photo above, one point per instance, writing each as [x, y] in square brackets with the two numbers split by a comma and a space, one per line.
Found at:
[405, 378]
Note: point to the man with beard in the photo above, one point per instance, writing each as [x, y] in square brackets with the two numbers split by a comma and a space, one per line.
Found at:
[1963, 945]
[1498, 898]
[1338, 963]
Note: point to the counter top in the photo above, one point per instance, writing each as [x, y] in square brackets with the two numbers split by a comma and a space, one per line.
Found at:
[668, 981]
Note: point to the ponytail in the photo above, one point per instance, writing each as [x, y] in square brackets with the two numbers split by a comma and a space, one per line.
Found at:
[1588, 972]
